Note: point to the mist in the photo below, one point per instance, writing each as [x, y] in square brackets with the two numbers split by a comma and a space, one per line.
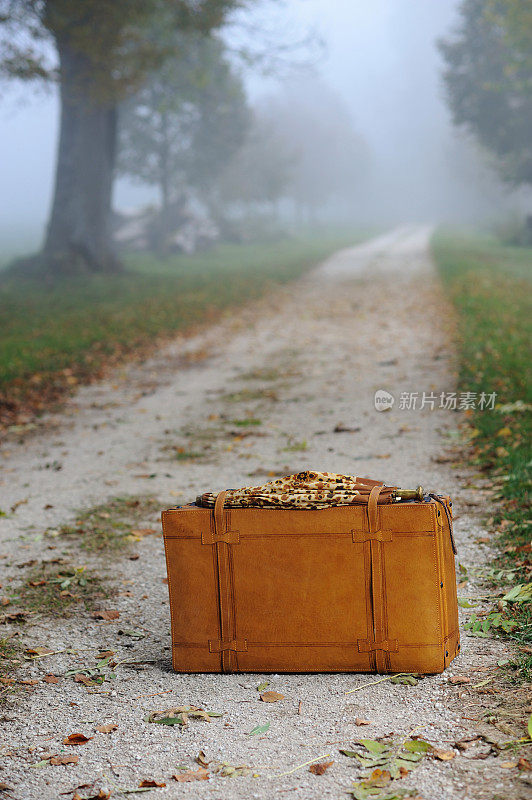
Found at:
[379, 59]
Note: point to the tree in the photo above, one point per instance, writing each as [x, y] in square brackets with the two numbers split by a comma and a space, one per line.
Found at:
[103, 52]
[260, 172]
[303, 148]
[330, 157]
[185, 123]
[488, 80]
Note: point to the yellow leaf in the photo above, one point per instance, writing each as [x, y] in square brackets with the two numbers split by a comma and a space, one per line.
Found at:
[504, 432]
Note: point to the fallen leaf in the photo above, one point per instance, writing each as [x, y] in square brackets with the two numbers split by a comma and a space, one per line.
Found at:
[508, 764]
[466, 742]
[271, 697]
[77, 738]
[51, 679]
[457, 679]
[226, 770]
[106, 614]
[359, 721]
[38, 651]
[259, 729]
[200, 774]
[57, 760]
[151, 783]
[524, 764]
[262, 686]
[319, 769]
[107, 728]
[14, 616]
[79, 677]
[406, 680]
[443, 755]
[179, 715]
[201, 759]
[5, 601]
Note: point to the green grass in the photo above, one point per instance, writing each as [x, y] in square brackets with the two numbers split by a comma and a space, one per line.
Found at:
[55, 590]
[490, 285]
[115, 524]
[62, 334]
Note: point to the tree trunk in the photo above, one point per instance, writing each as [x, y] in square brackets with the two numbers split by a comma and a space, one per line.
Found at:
[79, 236]
[165, 226]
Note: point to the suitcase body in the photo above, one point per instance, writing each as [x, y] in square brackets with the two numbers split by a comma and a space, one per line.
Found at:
[343, 589]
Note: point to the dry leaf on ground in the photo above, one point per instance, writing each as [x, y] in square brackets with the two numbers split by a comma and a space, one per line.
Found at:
[107, 615]
[79, 677]
[200, 774]
[457, 679]
[443, 755]
[201, 759]
[56, 760]
[151, 783]
[359, 721]
[319, 769]
[271, 697]
[112, 726]
[77, 738]
[51, 679]
[467, 742]
[38, 651]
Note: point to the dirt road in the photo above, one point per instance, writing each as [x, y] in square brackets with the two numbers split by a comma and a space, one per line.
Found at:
[285, 384]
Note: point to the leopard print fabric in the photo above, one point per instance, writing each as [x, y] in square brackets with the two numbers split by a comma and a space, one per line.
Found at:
[310, 490]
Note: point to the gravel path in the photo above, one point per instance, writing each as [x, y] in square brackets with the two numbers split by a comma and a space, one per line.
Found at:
[305, 361]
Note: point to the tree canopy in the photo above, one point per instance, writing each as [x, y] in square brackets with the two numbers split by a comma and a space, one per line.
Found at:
[488, 80]
[188, 118]
[114, 37]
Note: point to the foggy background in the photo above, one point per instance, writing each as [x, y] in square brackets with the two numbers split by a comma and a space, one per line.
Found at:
[379, 59]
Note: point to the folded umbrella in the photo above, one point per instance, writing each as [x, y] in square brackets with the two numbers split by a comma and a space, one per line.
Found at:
[306, 489]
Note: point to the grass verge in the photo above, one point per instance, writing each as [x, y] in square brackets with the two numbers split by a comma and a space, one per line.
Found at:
[114, 524]
[57, 336]
[490, 286]
[54, 590]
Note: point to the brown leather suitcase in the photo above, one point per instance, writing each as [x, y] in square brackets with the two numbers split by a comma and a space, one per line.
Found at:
[353, 588]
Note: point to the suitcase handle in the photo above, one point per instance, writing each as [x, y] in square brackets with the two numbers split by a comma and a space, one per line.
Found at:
[219, 526]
